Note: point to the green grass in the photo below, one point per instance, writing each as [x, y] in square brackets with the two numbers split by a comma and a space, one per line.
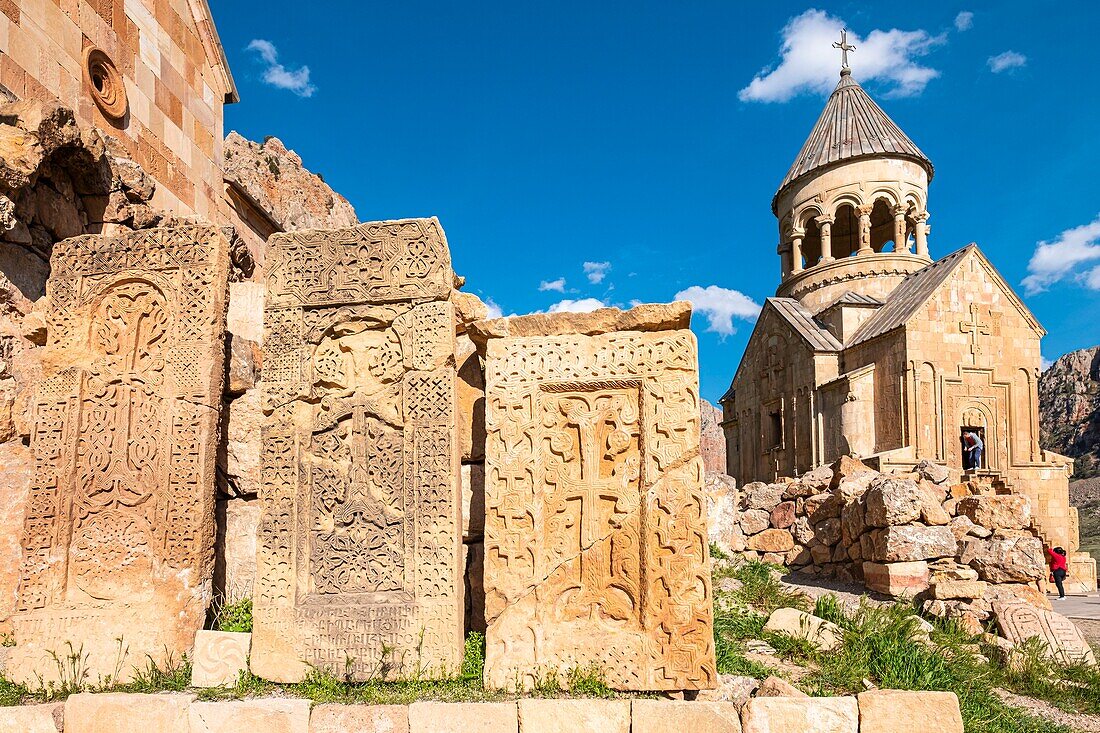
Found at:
[234, 615]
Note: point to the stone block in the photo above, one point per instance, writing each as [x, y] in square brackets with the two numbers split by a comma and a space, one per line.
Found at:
[801, 714]
[245, 317]
[48, 718]
[361, 512]
[999, 511]
[16, 473]
[238, 521]
[332, 718]
[117, 712]
[933, 472]
[736, 689]
[902, 711]
[463, 717]
[778, 687]
[771, 540]
[931, 509]
[754, 521]
[678, 716]
[567, 443]
[724, 513]
[574, 716]
[913, 542]
[782, 516]
[219, 658]
[240, 460]
[267, 715]
[949, 589]
[896, 578]
[473, 501]
[890, 502]
[119, 528]
[758, 495]
[822, 634]
[1006, 559]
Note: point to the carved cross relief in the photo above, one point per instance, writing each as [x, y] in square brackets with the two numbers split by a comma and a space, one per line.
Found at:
[974, 327]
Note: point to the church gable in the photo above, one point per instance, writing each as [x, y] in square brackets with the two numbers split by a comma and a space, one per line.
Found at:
[782, 325]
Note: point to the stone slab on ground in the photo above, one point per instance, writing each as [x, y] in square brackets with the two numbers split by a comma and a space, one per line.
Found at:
[896, 578]
[1021, 621]
[801, 714]
[219, 658]
[268, 715]
[902, 711]
[334, 718]
[463, 717]
[574, 716]
[49, 718]
[119, 712]
[820, 633]
[680, 716]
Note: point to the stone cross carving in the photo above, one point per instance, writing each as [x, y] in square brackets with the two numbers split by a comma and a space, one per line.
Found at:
[974, 327]
[844, 47]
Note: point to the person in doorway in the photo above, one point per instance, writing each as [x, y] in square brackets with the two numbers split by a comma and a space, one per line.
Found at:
[974, 447]
[1058, 570]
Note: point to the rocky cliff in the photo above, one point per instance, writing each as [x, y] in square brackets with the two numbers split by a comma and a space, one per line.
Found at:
[1069, 409]
[276, 181]
[712, 442]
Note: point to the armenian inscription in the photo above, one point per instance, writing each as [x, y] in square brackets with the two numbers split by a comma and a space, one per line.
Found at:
[595, 539]
[119, 531]
[358, 553]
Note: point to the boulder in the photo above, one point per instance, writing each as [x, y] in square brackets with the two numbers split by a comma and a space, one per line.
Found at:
[565, 716]
[961, 526]
[270, 715]
[762, 496]
[848, 469]
[819, 479]
[486, 717]
[677, 716]
[736, 689]
[896, 579]
[902, 711]
[822, 634]
[771, 540]
[998, 511]
[820, 507]
[933, 472]
[1006, 559]
[891, 501]
[754, 521]
[852, 521]
[334, 718]
[778, 687]
[782, 516]
[952, 589]
[801, 714]
[828, 532]
[912, 542]
[931, 509]
[802, 530]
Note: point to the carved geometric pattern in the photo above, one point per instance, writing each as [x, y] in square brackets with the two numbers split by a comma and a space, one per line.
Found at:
[595, 538]
[359, 537]
[119, 529]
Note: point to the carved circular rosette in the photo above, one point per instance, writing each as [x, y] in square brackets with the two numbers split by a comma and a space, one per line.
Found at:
[105, 83]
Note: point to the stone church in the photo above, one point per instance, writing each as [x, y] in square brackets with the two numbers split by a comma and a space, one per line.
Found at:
[872, 348]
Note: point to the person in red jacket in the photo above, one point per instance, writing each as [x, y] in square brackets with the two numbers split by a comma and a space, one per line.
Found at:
[1058, 569]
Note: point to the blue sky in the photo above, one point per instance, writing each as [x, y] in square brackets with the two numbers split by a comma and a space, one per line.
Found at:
[646, 139]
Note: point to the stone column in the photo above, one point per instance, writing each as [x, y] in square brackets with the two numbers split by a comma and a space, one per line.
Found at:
[920, 233]
[901, 242]
[796, 250]
[784, 252]
[825, 225]
[865, 230]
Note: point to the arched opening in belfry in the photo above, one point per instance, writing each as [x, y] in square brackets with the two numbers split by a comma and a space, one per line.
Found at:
[845, 231]
[882, 226]
[811, 243]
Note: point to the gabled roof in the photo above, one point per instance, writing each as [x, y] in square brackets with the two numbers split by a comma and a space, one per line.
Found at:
[802, 321]
[853, 298]
[851, 126]
[915, 290]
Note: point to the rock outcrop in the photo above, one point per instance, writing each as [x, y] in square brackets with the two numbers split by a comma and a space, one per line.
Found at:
[712, 441]
[275, 179]
[1069, 409]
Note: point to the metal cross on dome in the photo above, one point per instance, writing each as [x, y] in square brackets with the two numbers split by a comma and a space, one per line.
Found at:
[844, 47]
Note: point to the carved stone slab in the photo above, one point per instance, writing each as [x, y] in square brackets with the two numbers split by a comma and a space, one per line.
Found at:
[595, 529]
[358, 565]
[119, 531]
[1021, 621]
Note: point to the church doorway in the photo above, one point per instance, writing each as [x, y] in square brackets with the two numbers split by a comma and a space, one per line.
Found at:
[968, 456]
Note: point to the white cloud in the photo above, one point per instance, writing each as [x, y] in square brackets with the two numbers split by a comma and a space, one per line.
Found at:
[556, 285]
[277, 75]
[810, 64]
[1006, 61]
[720, 306]
[584, 305]
[493, 308]
[1044, 363]
[596, 271]
[964, 21]
[1054, 261]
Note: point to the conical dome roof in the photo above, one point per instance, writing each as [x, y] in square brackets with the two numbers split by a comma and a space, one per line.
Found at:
[851, 126]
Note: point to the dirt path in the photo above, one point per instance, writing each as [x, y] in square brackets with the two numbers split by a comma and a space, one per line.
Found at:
[1083, 722]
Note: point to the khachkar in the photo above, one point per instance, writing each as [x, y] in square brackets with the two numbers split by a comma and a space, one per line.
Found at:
[359, 542]
[595, 531]
[119, 532]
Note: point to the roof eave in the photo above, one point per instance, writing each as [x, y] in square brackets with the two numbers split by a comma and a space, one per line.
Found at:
[923, 162]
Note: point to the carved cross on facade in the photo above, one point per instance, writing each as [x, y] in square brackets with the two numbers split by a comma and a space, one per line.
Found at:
[974, 327]
[772, 367]
[844, 47]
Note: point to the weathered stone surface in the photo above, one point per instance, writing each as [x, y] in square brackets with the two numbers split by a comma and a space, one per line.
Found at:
[819, 479]
[890, 502]
[902, 711]
[1021, 621]
[723, 513]
[574, 716]
[933, 472]
[240, 462]
[1008, 592]
[999, 511]
[583, 432]
[771, 540]
[648, 317]
[361, 490]
[244, 365]
[712, 441]
[48, 718]
[219, 658]
[847, 469]
[778, 687]
[267, 715]
[931, 509]
[470, 391]
[948, 589]
[829, 531]
[896, 578]
[245, 317]
[1006, 559]
[782, 516]
[802, 714]
[961, 526]
[912, 542]
[678, 716]
[117, 712]
[238, 523]
[736, 689]
[119, 529]
[473, 501]
[822, 634]
[759, 495]
[16, 473]
[754, 521]
[332, 718]
[449, 717]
